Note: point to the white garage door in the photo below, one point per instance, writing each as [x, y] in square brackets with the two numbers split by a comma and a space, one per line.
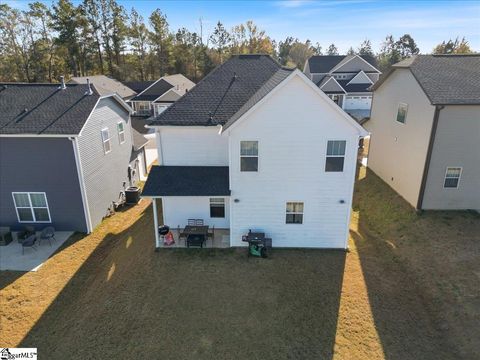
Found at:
[358, 102]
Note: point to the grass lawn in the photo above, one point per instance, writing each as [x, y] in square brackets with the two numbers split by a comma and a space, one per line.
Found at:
[408, 288]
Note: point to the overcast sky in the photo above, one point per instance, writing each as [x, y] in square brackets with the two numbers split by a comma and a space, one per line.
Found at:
[345, 23]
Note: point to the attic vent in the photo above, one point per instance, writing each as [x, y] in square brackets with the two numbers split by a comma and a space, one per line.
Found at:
[21, 115]
[62, 83]
[89, 88]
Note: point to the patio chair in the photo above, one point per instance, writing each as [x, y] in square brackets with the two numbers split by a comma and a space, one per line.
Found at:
[47, 234]
[195, 240]
[27, 232]
[181, 233]
[211, 234]
[29, 242]
[191, 222]
[199, 222]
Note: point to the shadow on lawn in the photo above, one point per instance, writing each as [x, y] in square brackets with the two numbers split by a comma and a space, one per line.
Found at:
[403, 316]
[128, 300]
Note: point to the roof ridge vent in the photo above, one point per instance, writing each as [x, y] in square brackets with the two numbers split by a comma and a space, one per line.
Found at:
[89, 88]
[62, 83]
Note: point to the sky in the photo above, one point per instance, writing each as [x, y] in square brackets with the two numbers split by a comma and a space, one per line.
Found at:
[343, 22]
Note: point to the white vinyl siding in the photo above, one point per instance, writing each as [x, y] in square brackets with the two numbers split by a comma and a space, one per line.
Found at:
[107, 146]
[31, 207]
[121, 131]
[452, 177]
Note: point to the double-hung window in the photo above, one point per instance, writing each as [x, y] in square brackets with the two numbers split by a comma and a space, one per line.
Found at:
[31, 207]
[402, 113]
[121, 132]
[452, 177]
[248, 155]
[335, 155]
[217, 207]
[294, 214]
[107, 146]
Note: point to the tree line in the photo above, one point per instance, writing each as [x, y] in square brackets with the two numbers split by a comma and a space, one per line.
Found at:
[101, 37]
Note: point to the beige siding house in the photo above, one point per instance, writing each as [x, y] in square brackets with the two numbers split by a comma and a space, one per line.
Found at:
[425, 131]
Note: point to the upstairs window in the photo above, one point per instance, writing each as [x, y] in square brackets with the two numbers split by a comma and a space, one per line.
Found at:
[335, 155]
[107, 146]
[217, 207]
[402, 113]
[121, 132]
[294, 214]
[248, 155]
[452, 177]
[31, 207]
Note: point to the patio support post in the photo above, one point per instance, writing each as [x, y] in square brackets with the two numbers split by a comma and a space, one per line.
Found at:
[155, 224]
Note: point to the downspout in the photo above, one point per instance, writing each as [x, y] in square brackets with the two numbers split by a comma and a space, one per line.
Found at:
[428, 158]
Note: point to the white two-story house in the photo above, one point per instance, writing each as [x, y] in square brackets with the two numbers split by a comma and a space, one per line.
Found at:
[346, 79]
[256, 146]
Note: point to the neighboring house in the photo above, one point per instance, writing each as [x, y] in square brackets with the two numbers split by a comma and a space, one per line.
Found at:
[107, 86]
[64, 155]
[346, 80]
[160, 94]
[138, 86]
[257, 146]
[425, 127]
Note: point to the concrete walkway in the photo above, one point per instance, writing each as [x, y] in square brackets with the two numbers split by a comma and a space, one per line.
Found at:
[11, 257]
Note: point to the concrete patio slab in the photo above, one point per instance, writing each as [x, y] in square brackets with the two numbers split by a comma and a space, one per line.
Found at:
[11, 257]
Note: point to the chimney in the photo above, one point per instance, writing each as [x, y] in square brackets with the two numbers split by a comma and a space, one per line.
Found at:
[89, 88]
[62, 83]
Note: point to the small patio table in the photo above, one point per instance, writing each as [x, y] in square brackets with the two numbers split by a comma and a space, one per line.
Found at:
[196, 230]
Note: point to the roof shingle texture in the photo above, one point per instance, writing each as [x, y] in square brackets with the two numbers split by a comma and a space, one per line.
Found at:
[448, 79]
[187, 181]
[226, 93]
[105, 85]
[325, 63]
[44, 108]
[138, 86]
[158, 89]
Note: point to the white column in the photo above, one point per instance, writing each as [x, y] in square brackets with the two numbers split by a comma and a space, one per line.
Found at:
[155, 224]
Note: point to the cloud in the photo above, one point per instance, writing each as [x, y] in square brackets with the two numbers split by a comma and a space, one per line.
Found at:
[292, 3]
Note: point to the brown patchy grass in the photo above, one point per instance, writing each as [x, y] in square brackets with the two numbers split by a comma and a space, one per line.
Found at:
[408, 288]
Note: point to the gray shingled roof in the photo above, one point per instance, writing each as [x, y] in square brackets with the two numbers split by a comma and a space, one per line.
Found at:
[138, 86]
[445, 79]
[105, 85]
[226, 93]
[352, 88]
[156, 90]
[44, 108]
[325, 63]
[187, 181]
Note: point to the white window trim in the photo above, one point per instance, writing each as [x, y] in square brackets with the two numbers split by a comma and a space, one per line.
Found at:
[295, 213]
[344, 155]
[257, 156]
[104, 141]
[121, 132]
[32, 207]
[406, 114]
[459, 177]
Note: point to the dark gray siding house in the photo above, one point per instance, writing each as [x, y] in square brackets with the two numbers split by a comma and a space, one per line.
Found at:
[64, 155]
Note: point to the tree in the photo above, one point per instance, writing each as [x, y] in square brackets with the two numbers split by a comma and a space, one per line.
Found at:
[365, 48]
[220, 39]
[389, 54]
[351, 51]
[161, 40]
[453, 47]
[406, 46]
[332, 50]
[138, 35]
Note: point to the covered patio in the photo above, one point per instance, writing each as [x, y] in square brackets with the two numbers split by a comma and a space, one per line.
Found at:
[190, 196]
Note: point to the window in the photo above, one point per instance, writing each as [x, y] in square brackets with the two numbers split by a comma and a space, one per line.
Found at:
[452, 177]
[294, 213]
[217, 207]
[121, 132]
[402, 113]
[142, 107]
[335, 155]
[248, 155]
[106, 141]
[31, 207]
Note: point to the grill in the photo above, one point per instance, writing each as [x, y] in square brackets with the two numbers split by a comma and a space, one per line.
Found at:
[257, 238]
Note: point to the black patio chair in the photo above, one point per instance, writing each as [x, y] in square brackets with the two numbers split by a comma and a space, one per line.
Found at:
[211, 234]
[47, 234]
[29, 242]
[181, 233]
[27, 232]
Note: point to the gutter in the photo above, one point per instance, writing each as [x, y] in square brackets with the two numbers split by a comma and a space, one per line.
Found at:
[428, 158]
